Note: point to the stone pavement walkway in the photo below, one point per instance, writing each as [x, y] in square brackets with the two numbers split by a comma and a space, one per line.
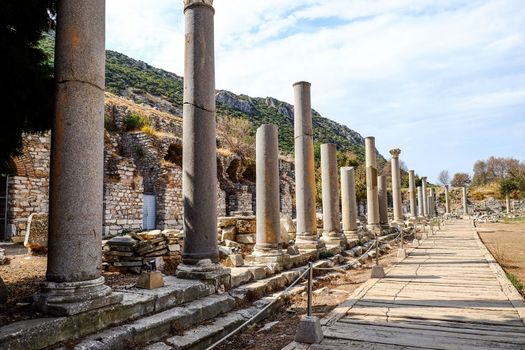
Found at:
[447, 294]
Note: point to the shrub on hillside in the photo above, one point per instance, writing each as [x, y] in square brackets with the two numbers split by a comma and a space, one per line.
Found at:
[136, 121]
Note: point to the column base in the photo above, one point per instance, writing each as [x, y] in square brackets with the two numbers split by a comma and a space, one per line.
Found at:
[208, 272]
[273, 256]
[375, 229]
[334, 239]
[377, 272]
[71, 298]
[309, 242]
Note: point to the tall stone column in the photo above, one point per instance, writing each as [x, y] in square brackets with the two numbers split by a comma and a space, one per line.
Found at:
[73, 282]
[424, 189]
[412, 193]
[507, 203]
[432, 202]
[268, 240]
[396, 185]
[447, 200]
[465, 201]
[420, 201]
[372, 199]
[306, 237]
[199, 161]
[330, 186]
[383, 201]
[349, 203]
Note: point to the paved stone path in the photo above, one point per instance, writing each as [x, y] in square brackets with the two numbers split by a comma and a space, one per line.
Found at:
[447, 294]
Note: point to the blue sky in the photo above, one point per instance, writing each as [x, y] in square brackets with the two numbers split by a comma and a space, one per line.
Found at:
[444, 80]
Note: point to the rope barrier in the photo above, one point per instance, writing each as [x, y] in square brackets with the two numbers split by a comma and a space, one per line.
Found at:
[309, 270]
[236, 330]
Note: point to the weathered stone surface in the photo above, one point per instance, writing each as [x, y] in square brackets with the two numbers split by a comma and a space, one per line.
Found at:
[150, 280]
[246, 238]
[246, 226]
[236, 260]
[309, 330]
[229, 233]
[3, 259]
[158, 346]
[240, 275]
[36, 233]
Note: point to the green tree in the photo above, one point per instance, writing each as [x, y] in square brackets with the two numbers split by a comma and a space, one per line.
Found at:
[27, 86]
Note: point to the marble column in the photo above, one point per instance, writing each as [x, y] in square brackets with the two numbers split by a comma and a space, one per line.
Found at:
[432, 202]
[507, 203]
[465, 200]
[424, 189]
[382, 194]
[372, 199]
[396, 185]
[330, 191]
[268, 240]
[306, 237]
[73, 282]
[420, 201]
[199, 162]
[447, 200]
[349, 203]
[412, 193]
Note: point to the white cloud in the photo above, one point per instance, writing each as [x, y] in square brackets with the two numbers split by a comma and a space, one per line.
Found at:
[420, 75]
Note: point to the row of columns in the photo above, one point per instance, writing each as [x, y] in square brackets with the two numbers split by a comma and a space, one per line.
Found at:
[73, 281]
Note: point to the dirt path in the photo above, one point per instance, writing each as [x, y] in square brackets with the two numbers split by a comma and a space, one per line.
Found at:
[506, 242]
[327, 295]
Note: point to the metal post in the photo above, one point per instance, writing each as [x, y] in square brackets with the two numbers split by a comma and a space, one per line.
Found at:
[402, 243]
[377, 250]
[310, 279]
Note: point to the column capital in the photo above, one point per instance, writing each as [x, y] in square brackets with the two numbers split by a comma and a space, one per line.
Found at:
[424, 178]
[395, 152]
[190, 3]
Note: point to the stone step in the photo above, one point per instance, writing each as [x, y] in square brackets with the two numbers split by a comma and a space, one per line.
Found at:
[47, 331]
[156, 326]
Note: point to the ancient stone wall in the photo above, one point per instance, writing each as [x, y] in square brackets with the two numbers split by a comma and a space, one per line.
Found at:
[138, 163]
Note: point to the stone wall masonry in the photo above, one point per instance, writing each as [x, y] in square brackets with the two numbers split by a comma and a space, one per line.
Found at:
[138, 163]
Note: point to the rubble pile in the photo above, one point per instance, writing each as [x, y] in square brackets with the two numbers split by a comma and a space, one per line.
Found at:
[130, 252]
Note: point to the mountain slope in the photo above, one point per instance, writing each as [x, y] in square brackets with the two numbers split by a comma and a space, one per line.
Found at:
[163, 90]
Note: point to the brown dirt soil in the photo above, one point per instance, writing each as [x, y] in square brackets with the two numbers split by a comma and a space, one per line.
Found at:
[338, 290]
[506, 242]
[22, 275]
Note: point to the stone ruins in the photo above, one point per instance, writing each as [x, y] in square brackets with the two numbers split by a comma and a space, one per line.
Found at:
[226, 257]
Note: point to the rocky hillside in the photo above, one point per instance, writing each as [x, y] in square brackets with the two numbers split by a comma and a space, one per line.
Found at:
[163, 90]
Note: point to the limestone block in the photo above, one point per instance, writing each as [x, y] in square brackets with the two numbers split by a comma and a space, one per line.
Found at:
[246, 226]
[150, 280]
[309, 330]
[236, 260]
[174, 247]
[292, 250]
[2, 256]
[229, 233]
[245, 238]
[36, 233]
[225, 221]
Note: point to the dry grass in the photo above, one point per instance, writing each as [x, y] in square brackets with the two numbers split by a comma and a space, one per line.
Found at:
[224, 152]
[148, 129]
[484, 191]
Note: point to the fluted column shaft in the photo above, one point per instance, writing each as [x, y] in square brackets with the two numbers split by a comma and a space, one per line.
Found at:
[371, 183]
